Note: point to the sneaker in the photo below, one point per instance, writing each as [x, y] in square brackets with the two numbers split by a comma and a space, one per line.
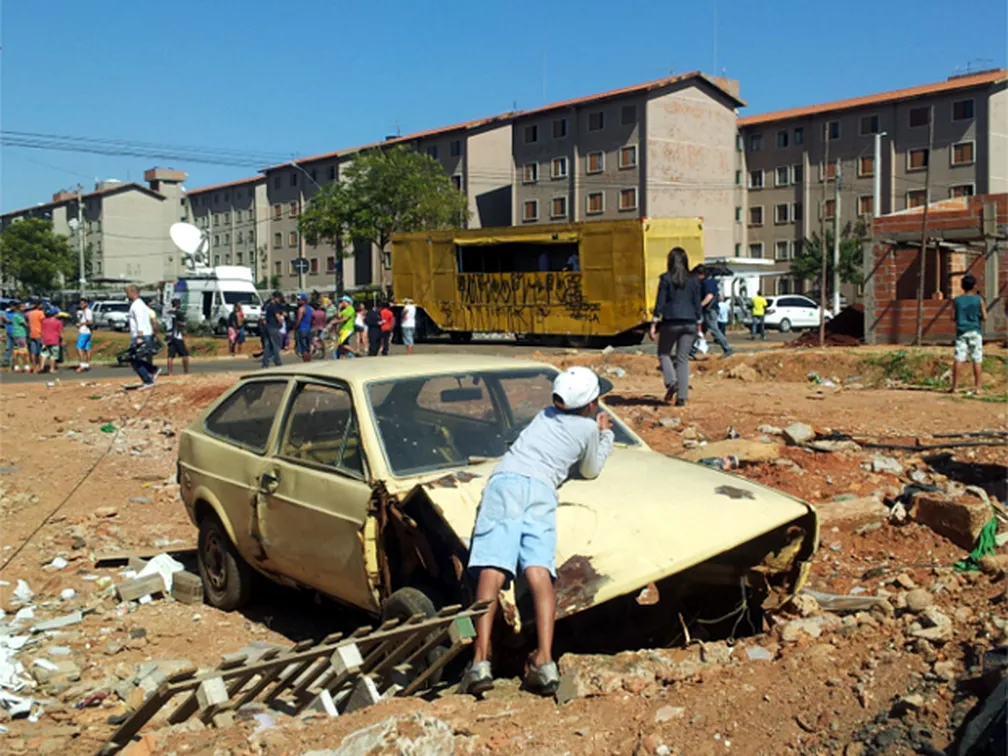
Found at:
[670, 392]
[680, 402]
[17, 368]
[544, 679]
[726, 355]
[145, 386]
[155, 374]
[477, 679]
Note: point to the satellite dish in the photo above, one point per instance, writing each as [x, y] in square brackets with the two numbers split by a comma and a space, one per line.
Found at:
[73, 223]
[192, 241]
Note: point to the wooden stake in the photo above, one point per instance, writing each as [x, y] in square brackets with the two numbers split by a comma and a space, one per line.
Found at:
[922, 253]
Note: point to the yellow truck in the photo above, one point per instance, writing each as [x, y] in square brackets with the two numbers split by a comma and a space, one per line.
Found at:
[581, 283]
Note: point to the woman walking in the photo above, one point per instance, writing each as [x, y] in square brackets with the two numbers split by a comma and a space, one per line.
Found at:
[677, 322]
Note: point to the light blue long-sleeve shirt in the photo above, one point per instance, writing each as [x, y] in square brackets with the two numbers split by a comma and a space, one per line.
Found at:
[553, 443]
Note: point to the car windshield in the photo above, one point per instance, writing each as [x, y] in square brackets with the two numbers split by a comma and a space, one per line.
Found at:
[242, 297]
[116, 307]
[431, 422]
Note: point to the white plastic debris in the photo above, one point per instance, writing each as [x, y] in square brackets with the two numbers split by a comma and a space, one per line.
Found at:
[67, 593]
[25, 613]
[46, 664]
[23, 592]
[58, 563]
[145, 599]
[164, 566]
[16, 706]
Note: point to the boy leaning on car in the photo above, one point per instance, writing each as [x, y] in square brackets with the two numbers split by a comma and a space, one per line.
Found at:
[516, 521]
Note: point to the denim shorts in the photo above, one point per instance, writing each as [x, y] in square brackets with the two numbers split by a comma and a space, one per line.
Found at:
[407, 336]
[515, 525]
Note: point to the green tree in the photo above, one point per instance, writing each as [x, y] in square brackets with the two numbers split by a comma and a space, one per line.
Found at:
[33, 256]
[807, 265]
[381, 193]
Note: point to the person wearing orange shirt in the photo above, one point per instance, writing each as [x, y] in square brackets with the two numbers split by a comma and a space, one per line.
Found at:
[387, 326]
[35, 317]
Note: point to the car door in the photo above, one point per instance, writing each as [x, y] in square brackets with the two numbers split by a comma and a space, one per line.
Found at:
[809, 312]
[316, 493]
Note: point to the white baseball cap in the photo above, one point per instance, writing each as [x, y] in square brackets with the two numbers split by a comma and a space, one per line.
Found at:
[578, 387]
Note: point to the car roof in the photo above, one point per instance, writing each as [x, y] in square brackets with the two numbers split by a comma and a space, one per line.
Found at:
[362, 370]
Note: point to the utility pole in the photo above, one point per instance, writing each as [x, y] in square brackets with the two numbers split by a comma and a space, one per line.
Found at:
[836, 239]
[81, 276]
[822, 239]
[877, 177]
[922, 253]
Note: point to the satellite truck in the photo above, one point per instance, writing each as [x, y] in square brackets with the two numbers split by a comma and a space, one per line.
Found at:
[209, 294]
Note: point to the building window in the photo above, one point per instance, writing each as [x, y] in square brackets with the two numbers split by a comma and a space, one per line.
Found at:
[216, 219]
[628, 156]
[239, 258]
[277, 240]
[432, 151]
[962, 152]
[866, 166]
[292, 238]
[216, 240]
[827, 171]
[827, 209]
[530, 173]
[227, 218]
[330, 264]
[920, 116]
[278, 267]
[332, 172]
[530, 210]
[869, 125]
[227, 238]
[738, 178]
[831, 131]
[241, 237]
[595, 203]
[596, 121]
[739, 142]
[756, 215]
[277, 212]
[797, 173]
[628, 199]
[558, 168]
[782, 138]
[560, 128]
[457, 182]
[916, 198]
[962, 110]
[961, 190]
[558, 207]
[755, 179]
[917, 160]
[227, 196]
[216, 259]
[628, 115]
[595, 162]
[797, 211]
[531, 134]
[799, 136]
[251, 237]
[313, 265]
[238, 216]
[866, 205]
[782, 175]
[782, 213]
[755, 142]
[756, 250]
[292, 210]
[455, 148]
[738, 213]
[738, 250]
[781, 249]
[293, 179]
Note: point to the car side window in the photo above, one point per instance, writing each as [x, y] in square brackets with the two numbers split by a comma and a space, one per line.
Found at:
[246, 416]
[322, 430]
[790, 302]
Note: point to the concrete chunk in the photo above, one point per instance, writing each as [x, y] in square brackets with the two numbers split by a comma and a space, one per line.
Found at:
[140, 587]
[797, 434]
[74, 618]
[859, 510]
[211, 692]
[323, 704]
[960, 520]
[346, 658]
[364, 693]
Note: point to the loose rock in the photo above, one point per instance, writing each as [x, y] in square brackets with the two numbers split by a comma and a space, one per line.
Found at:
[918, 600]
[797, 434]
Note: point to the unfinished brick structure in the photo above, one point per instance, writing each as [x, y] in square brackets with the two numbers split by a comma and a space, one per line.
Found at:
[968, 234]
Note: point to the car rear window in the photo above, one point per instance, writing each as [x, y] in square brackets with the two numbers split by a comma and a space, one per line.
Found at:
[246, 416]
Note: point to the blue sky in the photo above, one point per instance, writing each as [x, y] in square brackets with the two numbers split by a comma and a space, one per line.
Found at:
[296, 78]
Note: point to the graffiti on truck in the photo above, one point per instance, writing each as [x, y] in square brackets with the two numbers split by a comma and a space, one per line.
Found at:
[527, 295]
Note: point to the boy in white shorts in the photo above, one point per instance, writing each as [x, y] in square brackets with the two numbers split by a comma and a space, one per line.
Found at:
[969, 312]
[516, 521]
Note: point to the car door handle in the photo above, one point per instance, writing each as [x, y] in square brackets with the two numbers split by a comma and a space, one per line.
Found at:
[268, 483]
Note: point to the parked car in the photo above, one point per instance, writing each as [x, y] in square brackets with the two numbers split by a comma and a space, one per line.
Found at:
[111, 315]
[360, 479]
[790, 311]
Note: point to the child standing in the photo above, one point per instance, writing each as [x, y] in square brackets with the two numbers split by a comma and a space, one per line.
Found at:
[969, 311]
[52, 338]
[19, 332]
[516, 521]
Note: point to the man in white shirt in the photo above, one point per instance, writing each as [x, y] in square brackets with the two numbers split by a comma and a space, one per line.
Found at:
[142, 327]
[408, 324]
[85, 319]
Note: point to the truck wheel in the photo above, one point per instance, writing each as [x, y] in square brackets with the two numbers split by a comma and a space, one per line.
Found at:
[461, 337]
[402, 605]
[221, 327]
[227, 579]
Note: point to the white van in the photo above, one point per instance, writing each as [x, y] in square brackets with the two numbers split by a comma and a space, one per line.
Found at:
[210, 297]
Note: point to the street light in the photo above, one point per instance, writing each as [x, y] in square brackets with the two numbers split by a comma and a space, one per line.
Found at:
[338, 266]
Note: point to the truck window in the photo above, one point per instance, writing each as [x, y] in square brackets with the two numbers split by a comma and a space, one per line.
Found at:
[516, 257]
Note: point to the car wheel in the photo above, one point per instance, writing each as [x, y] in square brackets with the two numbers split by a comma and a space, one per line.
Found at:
[402, 605]
[785, 325]
[227, 579]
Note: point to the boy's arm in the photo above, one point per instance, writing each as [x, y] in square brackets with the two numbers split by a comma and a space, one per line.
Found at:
[599, 446]
[983, 309]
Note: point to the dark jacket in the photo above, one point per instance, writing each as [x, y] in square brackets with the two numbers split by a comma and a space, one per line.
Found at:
[678, 305]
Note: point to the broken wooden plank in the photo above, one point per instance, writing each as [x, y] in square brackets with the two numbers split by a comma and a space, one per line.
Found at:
[139, 587]
[122, 558]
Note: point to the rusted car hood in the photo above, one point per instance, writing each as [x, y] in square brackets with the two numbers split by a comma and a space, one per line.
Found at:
[647, 516]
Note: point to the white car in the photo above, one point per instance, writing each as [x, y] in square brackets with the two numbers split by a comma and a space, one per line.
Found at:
[112, 315]
[790, 311]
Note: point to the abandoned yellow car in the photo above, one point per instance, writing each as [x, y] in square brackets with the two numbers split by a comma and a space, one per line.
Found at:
[360, 479]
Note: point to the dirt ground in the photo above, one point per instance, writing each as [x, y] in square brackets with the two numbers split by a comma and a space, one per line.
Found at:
[101, 462]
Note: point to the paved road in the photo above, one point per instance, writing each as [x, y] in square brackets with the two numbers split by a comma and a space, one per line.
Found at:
[201, 366]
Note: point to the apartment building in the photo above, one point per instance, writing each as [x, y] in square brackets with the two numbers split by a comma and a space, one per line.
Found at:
[476, 155]
[663, 148]
[235, 218]
[124, 225]
[788, 161]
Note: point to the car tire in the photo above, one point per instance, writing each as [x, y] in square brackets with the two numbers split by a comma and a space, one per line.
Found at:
[402, 605]
[227, 579]
[785, 325]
